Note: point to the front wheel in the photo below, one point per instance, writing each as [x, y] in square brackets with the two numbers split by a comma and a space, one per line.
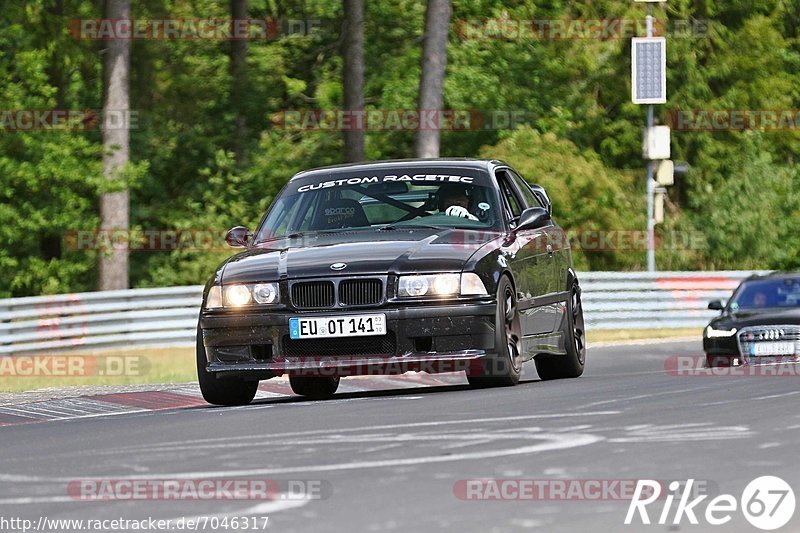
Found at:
[720, 361]
[314, 387]
[227, 391]
[572, 363]
[503, 368]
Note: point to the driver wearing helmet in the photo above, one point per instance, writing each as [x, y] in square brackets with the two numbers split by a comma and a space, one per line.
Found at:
[454, 200]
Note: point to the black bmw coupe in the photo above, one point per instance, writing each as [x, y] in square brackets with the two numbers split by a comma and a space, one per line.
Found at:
[387, 267]
[759, 324]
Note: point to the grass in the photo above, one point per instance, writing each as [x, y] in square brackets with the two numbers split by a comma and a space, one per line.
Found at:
[177, 365]
[610, 335]
[118, 367]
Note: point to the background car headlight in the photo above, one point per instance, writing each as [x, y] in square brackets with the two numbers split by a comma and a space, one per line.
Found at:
[447, 284]
[237, 295]
[214, 298]
[712, 333]
[265, 293]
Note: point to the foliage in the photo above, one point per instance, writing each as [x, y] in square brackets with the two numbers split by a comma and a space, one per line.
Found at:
[575, 130]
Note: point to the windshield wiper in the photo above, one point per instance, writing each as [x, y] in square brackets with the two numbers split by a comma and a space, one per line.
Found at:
[393, 226]
[279, 237]
[299, 234]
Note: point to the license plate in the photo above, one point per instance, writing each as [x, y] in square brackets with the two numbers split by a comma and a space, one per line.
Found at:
[773, 348]
[337, 326]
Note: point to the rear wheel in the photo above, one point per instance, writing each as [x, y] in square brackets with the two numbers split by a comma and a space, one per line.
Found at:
[503, 368]
[226, 391]
[314, 387]
[572, 363]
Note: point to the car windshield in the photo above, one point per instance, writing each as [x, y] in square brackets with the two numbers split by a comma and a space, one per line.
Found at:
[440, 198]
[767, 293]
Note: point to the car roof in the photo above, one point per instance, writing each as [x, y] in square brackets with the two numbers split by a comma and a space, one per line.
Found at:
[369, 166]
[775, 275]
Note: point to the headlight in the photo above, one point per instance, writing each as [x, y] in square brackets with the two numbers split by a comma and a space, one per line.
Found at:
[445, 284]
[440, 285]
[712, 333]
[429, 285]
[239, 295]
[414, 286]
[214, 299]
[265, 293]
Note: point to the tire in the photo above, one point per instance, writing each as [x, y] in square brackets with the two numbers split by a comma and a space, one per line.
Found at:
[314, 387]
[570, 365]
[503, 368]
[225, 391]
[719, 361]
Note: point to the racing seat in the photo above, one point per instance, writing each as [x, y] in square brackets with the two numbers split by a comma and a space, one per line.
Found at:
[339, 213]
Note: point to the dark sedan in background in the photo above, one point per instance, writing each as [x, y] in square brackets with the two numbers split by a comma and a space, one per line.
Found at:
[760, 323]
[388, 267]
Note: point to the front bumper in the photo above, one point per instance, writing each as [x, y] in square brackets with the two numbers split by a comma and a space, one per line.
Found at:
[742, 344]
[430, 338]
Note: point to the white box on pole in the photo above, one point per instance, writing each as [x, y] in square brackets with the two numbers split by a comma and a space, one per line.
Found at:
[655, 143]
[665, 172]
[658, 207]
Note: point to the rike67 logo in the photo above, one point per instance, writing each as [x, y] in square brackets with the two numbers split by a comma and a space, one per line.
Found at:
[767, 503]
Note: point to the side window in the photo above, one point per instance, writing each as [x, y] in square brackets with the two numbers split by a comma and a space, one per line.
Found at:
[527, 193]
[280, 216]
[510, 198]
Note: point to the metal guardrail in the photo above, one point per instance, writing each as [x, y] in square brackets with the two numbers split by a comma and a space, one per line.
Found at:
[168, 316]
[644, 300]
[98, 320]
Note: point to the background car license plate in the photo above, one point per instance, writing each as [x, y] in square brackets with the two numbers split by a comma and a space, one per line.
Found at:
[337, 326]
[773, 348]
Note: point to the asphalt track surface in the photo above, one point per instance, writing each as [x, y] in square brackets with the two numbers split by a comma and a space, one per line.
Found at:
[393, 460]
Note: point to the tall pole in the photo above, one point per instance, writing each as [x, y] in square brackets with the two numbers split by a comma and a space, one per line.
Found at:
[353, 77]
[114, 205]
[431, 80]
[651, 239]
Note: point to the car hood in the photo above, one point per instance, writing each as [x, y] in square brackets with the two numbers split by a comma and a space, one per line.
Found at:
[362, 251]
[757, 317]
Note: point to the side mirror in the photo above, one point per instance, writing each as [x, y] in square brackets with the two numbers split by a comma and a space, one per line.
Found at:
[237, 237]
[533, 218]
[541, 194]
[716, 305]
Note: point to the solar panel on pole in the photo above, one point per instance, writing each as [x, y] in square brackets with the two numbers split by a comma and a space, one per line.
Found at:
[649, 70]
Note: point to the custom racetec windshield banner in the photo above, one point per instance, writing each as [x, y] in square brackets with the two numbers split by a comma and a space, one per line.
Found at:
[433, 176]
